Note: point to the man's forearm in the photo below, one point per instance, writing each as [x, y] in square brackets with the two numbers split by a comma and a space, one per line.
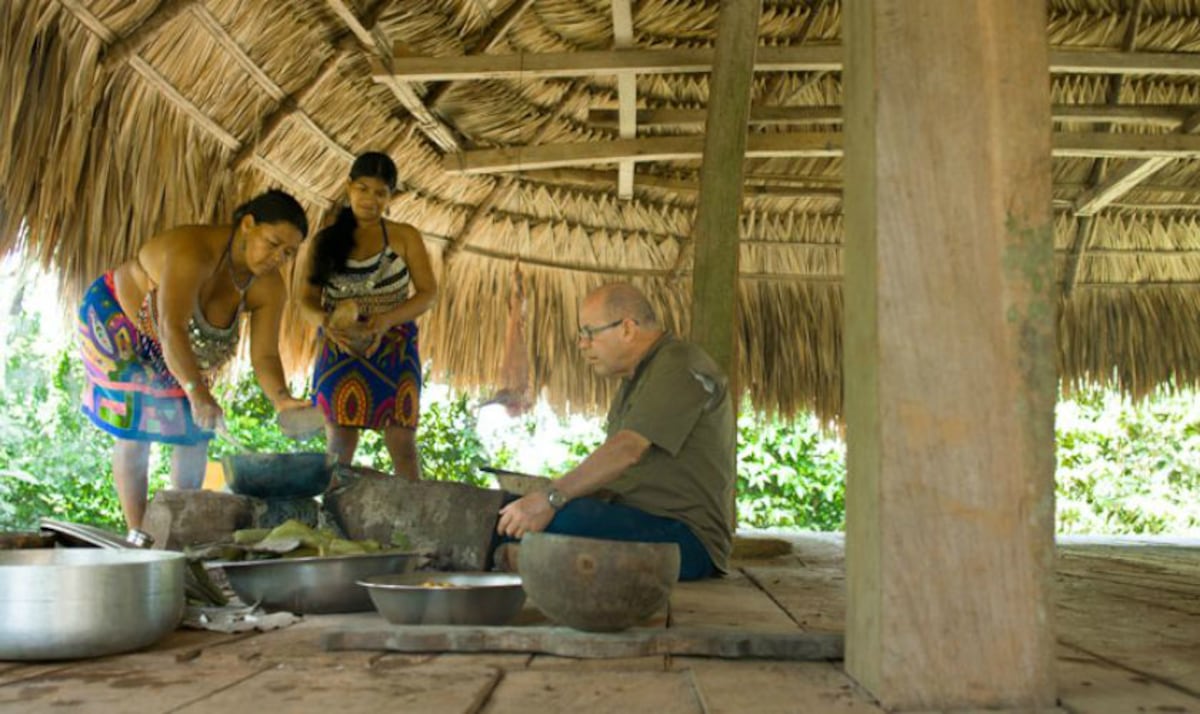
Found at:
[603, 465]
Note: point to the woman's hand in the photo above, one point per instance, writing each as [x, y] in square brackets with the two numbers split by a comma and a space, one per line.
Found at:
[374, 330]
[205, 411]
[340, 338]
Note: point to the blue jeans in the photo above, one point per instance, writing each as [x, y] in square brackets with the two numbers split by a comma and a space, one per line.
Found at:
[593, 518]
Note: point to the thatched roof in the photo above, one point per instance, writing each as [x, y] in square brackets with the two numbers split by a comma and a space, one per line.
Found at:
[124, 117]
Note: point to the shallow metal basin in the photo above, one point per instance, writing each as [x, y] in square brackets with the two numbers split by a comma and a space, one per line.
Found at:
[313, 585]
[471, 599]
[67, 603]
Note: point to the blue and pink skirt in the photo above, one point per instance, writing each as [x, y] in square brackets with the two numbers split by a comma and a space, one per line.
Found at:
[127, 392]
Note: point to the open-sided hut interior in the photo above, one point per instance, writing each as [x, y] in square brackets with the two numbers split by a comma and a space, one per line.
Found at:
[567, 135]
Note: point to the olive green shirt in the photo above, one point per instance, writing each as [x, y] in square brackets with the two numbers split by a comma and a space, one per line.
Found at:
[678, 400]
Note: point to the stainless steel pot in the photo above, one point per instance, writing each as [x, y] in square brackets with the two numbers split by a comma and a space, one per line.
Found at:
[312, 586]
[67, 603]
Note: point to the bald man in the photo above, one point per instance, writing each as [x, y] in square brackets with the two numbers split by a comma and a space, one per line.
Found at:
[669, 456]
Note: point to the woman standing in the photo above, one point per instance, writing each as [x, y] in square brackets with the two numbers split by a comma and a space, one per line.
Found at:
[368, 279]
[155, 330]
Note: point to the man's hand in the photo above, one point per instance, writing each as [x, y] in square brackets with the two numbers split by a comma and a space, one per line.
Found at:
[529, 514]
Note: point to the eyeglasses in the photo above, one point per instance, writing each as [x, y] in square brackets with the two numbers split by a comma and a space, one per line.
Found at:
[589, 333]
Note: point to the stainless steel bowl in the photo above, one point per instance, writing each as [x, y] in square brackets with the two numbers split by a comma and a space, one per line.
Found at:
[312, 585]
[472, 599]
[67, 603]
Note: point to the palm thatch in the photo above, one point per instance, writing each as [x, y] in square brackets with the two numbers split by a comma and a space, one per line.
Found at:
[124, 117]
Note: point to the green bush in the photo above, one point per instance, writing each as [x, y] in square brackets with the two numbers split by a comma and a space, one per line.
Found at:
[790, 475]
[1128, 468]
[53, 462]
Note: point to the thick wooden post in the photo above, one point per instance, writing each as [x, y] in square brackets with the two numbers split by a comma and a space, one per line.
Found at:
[949, 372]
[715, 233]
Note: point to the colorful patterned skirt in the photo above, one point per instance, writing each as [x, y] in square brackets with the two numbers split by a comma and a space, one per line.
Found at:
[127, 392]
[374, 392]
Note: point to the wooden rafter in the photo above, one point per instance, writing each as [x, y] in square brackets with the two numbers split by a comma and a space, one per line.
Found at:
[698, 60]
[598, 62]
[489, 39]
[667, 148]
[116, 52]
[286, 106]
[433, 128]
[1167, 115]
[289, 107]
[1085, 229]
[622, 19]
[794, 144]
[172, 94]
[606, 181]
[505, 184]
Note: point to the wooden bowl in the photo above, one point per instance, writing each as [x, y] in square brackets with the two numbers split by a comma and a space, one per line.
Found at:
[597, 585]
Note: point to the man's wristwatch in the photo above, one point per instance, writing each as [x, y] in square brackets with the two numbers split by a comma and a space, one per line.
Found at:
[556, 499]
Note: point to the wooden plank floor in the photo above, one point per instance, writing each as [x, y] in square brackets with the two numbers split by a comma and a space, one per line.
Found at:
[1128, 624]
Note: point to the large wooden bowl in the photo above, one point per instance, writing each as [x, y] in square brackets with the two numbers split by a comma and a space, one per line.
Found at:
[597, 585]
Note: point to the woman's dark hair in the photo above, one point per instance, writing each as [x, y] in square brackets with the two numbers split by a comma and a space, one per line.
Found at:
[336, 241]
[273, 206]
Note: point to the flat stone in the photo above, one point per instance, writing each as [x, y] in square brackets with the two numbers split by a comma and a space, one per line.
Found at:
[177, 519]
[454, 521]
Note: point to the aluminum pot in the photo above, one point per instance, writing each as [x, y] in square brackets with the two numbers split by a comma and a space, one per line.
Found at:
[67, 603]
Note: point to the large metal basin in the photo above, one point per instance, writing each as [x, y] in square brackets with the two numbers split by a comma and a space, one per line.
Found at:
[431, 598]
[68, 603]
[313, 585]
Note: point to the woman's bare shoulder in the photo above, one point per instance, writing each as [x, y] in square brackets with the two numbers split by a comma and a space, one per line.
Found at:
[399, 232]
[196, 246]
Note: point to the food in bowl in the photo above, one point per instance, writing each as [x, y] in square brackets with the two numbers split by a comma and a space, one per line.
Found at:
[447, 598]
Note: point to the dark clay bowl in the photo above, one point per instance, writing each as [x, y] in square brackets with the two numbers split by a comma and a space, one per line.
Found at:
[597, 585]
[277, 476]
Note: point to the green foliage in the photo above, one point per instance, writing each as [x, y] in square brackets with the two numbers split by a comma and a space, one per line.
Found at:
[1128, 468]
[1122, 468]
[790, 475]
[53, 462]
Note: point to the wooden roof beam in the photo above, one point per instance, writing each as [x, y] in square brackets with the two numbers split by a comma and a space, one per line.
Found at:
[622, 18]
[827, 58]
[120, 50]
[155, 79]
[433, 128]
[1085, 229]
[795, 144]
[285, 106]
[599, 62]
[1168, 115]
[505, 184]
[489, 39]
[606, 181]
[289, 107]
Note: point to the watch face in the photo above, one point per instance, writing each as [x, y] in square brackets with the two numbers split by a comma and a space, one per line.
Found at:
[555, 498]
